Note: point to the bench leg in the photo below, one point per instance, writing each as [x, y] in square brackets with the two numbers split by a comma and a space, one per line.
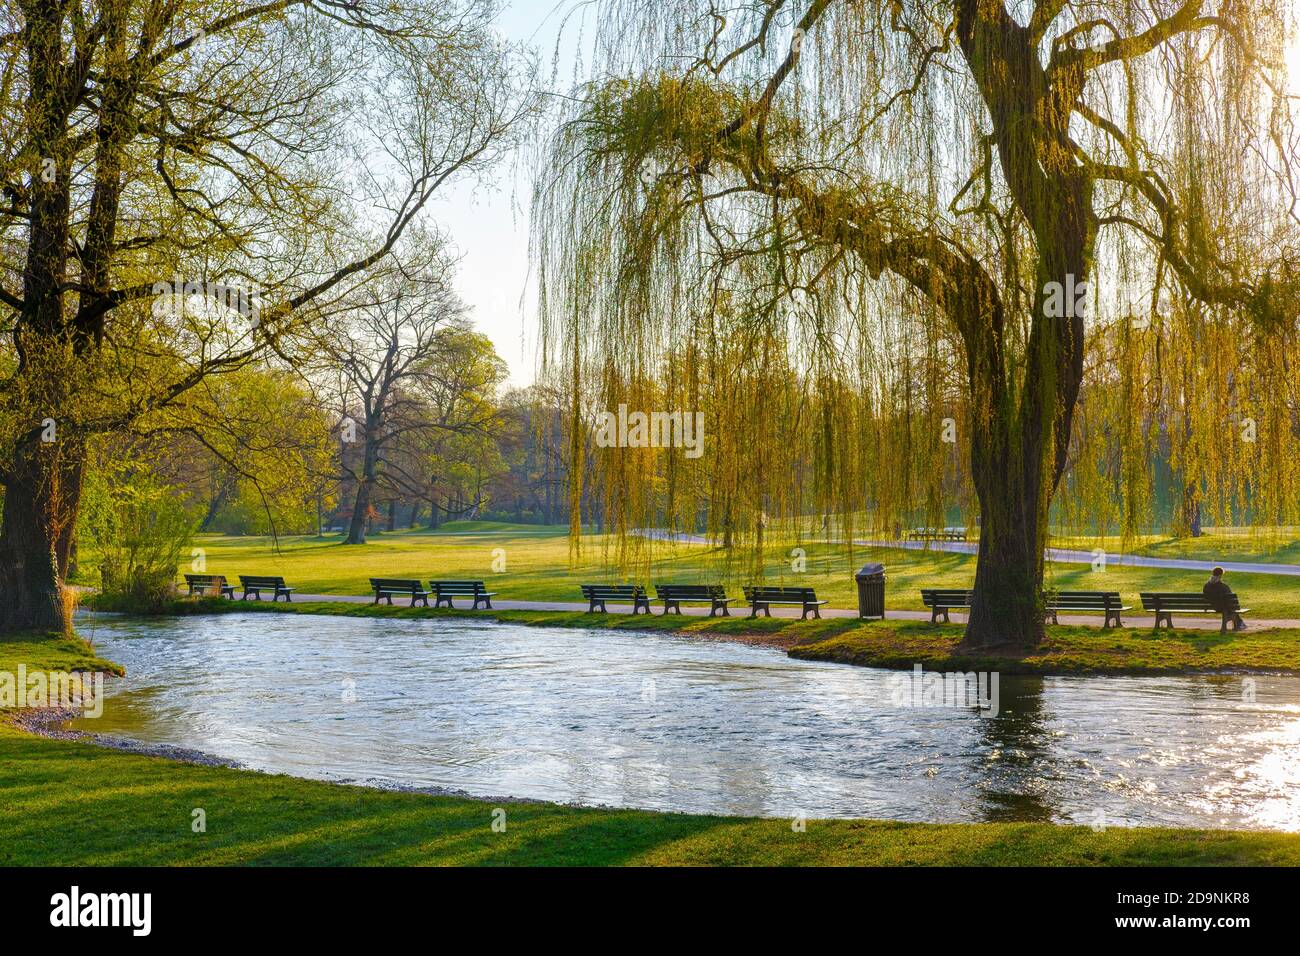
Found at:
[287, 597]
[376, 597]
[753, 610]
[934, 615]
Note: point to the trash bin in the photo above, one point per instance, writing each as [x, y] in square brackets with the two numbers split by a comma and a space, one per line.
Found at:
[871, 590]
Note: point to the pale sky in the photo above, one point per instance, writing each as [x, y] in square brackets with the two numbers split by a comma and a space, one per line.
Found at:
[489, 226]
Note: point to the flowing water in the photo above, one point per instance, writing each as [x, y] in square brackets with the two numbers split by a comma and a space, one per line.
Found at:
[664, 722]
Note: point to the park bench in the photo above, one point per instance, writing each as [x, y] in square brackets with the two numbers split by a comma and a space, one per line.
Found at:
[1108, 602]
[1165, 603]
[937, 534]
[674, 594]
[213, 584]
[942, 600]
[446, 590]
[598, 594]
[762, 598]
[255, 584]
[403, 587]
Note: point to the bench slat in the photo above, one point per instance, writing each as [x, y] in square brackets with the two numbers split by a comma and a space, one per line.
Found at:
[446, 590]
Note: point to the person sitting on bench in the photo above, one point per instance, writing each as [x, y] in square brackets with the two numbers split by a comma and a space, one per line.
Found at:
[1220, 596]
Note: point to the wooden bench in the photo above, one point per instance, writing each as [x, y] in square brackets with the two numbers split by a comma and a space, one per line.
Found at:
[937, 534]
[446, 590]
[404, 587]
[674, 594]
[598, 594]
[762, 598]
[942, 600]
[1108, 602]
[1165, 603]
[213, 584]
[255, 584]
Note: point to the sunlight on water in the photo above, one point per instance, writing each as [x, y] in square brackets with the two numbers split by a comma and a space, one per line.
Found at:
[665, 722]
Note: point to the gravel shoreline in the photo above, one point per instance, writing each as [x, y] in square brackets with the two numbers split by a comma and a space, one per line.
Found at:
[50, 723]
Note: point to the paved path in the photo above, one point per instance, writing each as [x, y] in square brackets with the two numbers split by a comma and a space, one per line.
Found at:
[1061, 555]
[1066, 556]
[1143, 622]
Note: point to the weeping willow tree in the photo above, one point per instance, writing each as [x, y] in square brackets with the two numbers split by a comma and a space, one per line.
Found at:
[897, 198]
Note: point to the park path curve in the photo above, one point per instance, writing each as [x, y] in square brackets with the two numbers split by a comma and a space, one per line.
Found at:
[1190, 623]
[1060, 555]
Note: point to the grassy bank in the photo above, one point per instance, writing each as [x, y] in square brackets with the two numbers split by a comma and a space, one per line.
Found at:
[51, 652]
[538, 565]
[71, 803]
[890, 644]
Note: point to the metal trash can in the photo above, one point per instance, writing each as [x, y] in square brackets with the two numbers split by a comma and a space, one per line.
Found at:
[871, 590]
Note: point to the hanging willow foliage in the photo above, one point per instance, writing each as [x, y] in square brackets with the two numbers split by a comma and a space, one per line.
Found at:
[845, 232]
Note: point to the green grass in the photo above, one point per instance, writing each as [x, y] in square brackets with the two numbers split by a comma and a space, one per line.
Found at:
[51, 652]
[1066, 650]
[1274, 545]
[537, 566]
[72, 803]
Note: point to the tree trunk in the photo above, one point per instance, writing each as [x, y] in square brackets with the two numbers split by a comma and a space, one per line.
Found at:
[41, 501]
[215, 505]
[1005, 608]
[365, 485]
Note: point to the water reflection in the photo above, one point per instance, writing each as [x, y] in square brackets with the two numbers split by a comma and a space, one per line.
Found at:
[667, 723]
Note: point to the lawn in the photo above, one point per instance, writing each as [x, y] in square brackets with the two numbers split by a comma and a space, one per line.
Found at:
[69, 803]
[533, 563]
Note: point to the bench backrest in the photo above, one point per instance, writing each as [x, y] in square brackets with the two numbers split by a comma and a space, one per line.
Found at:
[945, 597]
[762, 593]
[1100, 600]
[395, 584]
[1180, 601]
[256, 581]
[590, 591]
[691, 592]
[205, 580]
[457, 587]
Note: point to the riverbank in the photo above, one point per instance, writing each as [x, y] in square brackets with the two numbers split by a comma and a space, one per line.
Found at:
[898, 645]
[68, 802]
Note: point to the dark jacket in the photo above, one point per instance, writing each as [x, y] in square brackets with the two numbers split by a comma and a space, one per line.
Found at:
[1218, 594]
